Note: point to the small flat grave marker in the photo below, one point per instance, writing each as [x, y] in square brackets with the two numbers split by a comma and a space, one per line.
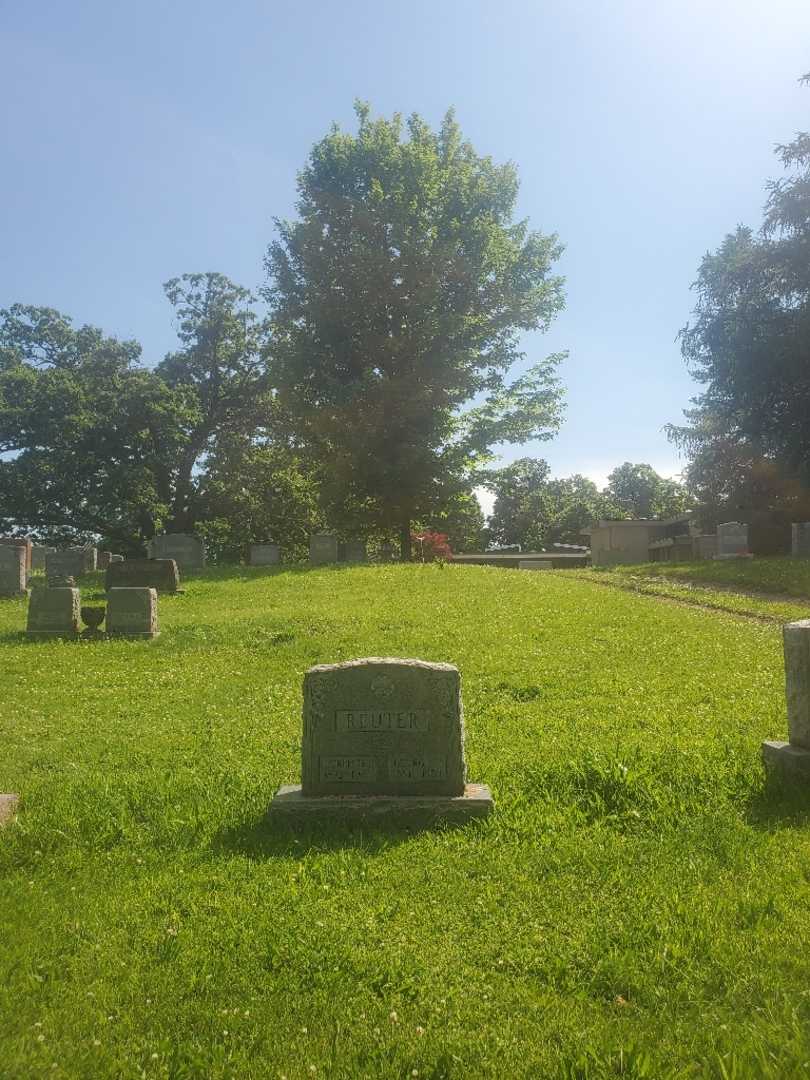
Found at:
[383, 736]
[8, 807]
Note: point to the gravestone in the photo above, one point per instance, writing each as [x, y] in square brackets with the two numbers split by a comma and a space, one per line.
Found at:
[116, 558]
[160, 574]
[800, 540]
[60, 581]
[23, 542]
[53, 613]
[534, 564]
[103, 560]
[90, 559]
[323, 549]
[353, 551]
[8, 807]
[132, 612]
[386, 553]
[69, 561]
[13, 573]
[38, 554]
[383, 736]
[704, 546]
[791, 760]
[188, 551]
[732, 540]
[264, 555]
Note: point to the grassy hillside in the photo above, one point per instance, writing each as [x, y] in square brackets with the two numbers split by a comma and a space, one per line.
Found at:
[774, 575]
[637, 906]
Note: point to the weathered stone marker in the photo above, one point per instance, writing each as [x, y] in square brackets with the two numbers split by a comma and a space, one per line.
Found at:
[383, 736]
[132, 613]
[38, 554]
[323, 549]
[534, 564]
[188, 551]
[8, 807]
[791, 760]
[160, 574]
[264, 555]
[353, 551]
[53, 613]
[23, 542]
[386, 553]
[70, 561]
[732, 540]
[800, 540]
[90, 559]
[103, 560]
[13, 572]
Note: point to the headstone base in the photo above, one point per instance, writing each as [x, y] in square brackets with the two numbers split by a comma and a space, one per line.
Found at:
[8, 808]
[291, 805]
[786, 762]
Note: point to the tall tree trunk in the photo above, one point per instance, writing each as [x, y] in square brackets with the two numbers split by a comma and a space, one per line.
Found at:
[405, 540]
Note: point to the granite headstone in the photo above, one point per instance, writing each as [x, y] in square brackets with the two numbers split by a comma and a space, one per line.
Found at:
[132, 612]
[323, 549]
[160, 574]
[187, 550]
[53, 612]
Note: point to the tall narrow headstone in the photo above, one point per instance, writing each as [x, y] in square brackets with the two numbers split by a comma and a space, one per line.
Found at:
[53, 613]
[264, 555]
[800, 540]
[160, 574]
[38, 555]
[23, 542]
[90, 559]
[732, 540]
[188, 551]
[103, 560]
[13, 573]
[132, 613]
[383, 735]
[323, 549]
[791, 760]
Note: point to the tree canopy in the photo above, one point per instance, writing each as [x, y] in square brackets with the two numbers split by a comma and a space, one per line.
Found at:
[397, 299]
[749, 347]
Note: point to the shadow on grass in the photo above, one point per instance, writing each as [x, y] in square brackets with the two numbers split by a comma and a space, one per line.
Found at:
[777, 806]
[271, 838]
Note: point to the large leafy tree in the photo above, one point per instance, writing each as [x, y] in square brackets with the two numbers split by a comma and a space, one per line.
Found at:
[398, 298]
[219, 373]
[87, 432]
[637, 491]
[533, 510]
[748, 345]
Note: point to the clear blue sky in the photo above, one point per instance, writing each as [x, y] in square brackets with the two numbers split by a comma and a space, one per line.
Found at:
[143, 140]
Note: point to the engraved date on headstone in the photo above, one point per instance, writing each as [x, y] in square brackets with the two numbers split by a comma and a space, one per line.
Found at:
[348, 769]
[417, 767]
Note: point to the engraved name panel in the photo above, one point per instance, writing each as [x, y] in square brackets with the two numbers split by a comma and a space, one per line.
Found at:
[349, 770]
[382, 720]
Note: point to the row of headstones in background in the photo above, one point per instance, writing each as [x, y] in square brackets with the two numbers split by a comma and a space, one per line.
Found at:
[188, 551]
[383, 735]
[325, 548]
[54, 613]
[160, 574]
[71, 562]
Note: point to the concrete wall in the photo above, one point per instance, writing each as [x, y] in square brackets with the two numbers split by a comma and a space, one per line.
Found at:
[621, 542]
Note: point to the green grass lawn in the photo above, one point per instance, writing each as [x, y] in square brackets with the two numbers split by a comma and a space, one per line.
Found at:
[638, 905]
[773, 575]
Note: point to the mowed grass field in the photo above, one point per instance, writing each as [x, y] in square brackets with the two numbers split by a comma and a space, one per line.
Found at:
[638, 906]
